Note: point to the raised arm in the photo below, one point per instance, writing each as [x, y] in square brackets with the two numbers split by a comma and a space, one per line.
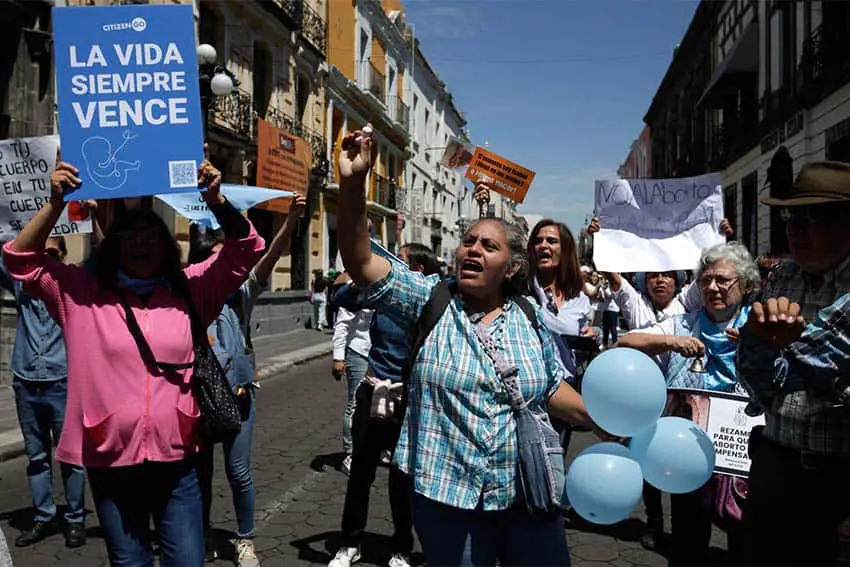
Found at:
[35, 233]
[355, 161]
[281, 241]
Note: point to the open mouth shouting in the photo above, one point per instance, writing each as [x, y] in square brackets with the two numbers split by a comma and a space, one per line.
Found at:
[470, 268]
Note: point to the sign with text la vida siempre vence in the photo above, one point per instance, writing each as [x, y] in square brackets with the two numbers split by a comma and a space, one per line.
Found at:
[129, 99]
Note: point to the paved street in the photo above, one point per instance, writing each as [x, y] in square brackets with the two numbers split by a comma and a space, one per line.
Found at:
[300, 492]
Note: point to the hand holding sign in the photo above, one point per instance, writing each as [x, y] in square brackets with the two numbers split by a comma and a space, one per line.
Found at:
[298, 206]
[63, 178]
[210, 177]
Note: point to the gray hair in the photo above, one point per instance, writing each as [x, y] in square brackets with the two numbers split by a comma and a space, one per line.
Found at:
[736, 254]
[515, 235]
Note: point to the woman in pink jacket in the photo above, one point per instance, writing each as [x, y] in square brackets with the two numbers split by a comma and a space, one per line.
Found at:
[135, 428]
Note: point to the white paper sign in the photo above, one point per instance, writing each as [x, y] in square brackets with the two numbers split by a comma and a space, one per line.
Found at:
[25, 168]
[723, 418]
[653, 225]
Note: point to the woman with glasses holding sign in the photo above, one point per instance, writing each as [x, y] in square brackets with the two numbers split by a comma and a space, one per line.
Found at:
[726, 276]
[134, 422]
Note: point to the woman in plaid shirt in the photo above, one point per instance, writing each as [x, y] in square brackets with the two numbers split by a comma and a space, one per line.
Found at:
[458, 442]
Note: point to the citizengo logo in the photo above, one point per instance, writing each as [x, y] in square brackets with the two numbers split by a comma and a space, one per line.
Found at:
[138, 24]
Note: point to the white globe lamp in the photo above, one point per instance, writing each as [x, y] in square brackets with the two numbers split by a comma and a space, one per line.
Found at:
[221, 84]
[206, 54]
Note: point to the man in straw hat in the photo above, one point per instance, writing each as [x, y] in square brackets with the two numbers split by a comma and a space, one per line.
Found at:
[793, 357]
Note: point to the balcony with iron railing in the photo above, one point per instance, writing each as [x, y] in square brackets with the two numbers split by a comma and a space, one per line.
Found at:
[399, 112]
[302, 17]
[376, 82]
[238, 114]
[383, 191]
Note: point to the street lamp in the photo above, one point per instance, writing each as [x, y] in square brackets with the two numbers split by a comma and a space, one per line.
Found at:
[215, 80]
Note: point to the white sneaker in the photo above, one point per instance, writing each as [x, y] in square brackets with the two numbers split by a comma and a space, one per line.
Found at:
[399, 560]
[386, 457]
[346, 464]
[345, 557]
[245, 556]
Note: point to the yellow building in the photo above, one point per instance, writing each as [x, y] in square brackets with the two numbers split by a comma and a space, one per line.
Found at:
[367, 59]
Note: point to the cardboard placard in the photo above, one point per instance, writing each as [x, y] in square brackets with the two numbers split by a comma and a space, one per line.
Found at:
[129, 99]
[284, 162]
[504, 176]
[457, 154]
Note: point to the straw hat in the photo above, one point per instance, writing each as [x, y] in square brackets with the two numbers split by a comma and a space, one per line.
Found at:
[818, 183]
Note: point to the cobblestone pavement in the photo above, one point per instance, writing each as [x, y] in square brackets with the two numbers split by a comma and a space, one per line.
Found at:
[300, 491]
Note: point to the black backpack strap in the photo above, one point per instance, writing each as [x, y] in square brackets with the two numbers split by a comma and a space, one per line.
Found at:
[528, 310]
[438, 302]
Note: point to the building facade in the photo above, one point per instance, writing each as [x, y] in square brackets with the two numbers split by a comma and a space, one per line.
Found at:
[437, 201]
[638, 164]
[756, 90]
[367, 64]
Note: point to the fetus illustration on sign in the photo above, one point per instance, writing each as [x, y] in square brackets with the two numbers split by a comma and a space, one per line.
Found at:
[103, 163]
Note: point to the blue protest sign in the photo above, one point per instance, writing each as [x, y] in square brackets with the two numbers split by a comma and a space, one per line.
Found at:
[129, 99]
[193, 207]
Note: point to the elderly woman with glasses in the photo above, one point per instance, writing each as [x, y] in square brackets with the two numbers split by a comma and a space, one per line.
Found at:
[726, 275]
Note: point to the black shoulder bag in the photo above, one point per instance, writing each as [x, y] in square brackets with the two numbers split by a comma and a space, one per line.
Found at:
[220, 416]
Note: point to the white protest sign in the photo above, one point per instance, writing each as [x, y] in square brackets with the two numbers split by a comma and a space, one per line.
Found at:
[653, 225]
[25, 168]
[722, 416]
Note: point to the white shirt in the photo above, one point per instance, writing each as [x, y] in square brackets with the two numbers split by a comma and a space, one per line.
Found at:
[607, 302]
[351, 330]
[639, 313]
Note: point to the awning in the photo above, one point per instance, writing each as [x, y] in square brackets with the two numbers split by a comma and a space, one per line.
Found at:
[742, 59]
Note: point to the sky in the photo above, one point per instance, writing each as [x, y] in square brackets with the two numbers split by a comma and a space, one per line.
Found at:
[558, 86]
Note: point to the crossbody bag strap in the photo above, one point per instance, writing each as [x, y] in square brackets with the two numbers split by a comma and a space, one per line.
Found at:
[507, 372]
[144, 348]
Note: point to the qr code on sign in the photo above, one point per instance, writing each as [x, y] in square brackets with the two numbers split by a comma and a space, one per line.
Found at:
[183, 173]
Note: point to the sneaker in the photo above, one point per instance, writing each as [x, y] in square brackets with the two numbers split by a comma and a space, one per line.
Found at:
[386, 458]
[245, 556]
[346, 464]
[210, 549]
[399, 560]
[345, 557]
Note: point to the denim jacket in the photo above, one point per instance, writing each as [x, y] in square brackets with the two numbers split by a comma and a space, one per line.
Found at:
[39, 351]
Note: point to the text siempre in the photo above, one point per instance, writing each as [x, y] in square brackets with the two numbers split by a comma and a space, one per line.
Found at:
[118, 111]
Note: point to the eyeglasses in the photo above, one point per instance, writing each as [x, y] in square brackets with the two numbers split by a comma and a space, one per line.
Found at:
[723, 283]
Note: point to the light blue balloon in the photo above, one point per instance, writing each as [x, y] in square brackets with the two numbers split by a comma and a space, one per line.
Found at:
[624, 391]
[676, 455]
[604, 483]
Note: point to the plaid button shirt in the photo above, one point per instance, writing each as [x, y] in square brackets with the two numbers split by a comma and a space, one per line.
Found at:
[793, 385]
[458, 440]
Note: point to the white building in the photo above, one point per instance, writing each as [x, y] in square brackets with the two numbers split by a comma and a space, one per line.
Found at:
[781, 80]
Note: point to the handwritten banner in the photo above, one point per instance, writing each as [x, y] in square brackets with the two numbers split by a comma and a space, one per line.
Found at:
[284, 162]
[504, 176]
[193, 207]
[129, 98]
[656, 224]
[723, 418]
[25, 168]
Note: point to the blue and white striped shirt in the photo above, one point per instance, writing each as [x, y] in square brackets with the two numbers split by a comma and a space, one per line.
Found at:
[458, 440]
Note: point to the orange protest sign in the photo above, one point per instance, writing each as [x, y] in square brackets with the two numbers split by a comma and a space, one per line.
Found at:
[284, 162]
[504, 176]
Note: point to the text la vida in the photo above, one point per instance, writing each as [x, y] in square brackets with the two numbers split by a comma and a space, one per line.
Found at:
[132, 53]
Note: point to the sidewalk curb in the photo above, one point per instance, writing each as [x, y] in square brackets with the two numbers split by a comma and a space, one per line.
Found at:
[12, 442]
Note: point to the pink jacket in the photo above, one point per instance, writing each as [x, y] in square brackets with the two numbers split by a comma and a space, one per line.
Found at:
[118, 413]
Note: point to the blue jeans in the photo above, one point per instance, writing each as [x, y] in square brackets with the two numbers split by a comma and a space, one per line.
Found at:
[455, 537]
[237, 466]
[356, 366]
[41, 412]
[126, 498]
